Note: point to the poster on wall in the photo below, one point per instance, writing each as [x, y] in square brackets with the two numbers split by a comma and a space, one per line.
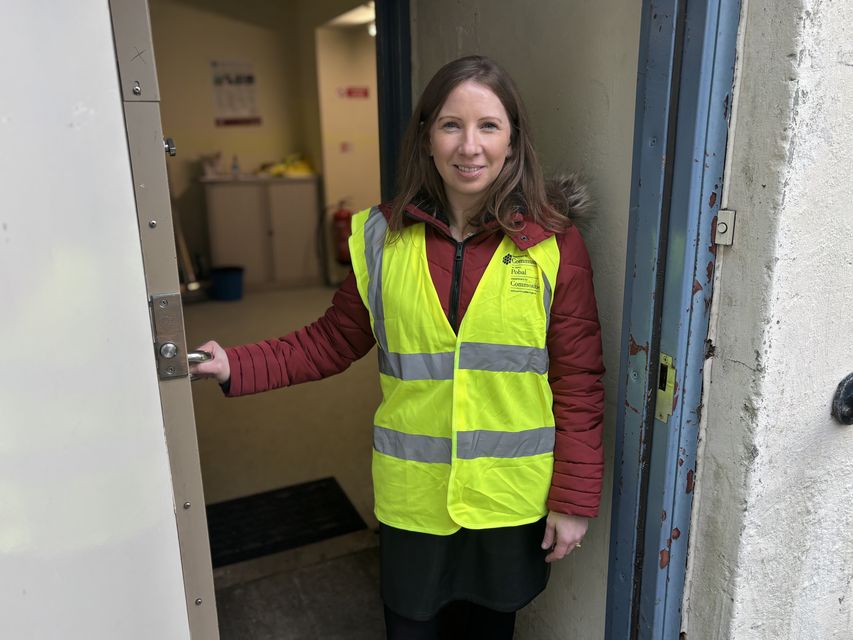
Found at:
[234, 94]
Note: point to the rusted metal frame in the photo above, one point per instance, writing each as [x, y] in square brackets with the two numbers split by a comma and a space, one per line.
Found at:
[646, 253]
[703, 114]
[140, 96]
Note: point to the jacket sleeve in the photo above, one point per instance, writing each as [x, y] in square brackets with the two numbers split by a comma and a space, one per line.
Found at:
[575, 374]
[322, 349]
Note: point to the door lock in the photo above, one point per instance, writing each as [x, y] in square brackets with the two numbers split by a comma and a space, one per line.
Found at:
[168, 350]
[169, 336]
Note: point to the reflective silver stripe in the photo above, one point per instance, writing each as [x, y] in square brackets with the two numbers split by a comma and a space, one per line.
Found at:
[417, 366]
[375, 230]
[504, 444]
[547, 294]
[483, 356]
[411, 447]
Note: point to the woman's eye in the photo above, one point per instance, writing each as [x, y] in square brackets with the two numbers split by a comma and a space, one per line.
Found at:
[450, 125]
[489, 125]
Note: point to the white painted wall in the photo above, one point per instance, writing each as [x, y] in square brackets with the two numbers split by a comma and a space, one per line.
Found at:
[576, 66]
[771, 550]
[88, 540]
[346, 57]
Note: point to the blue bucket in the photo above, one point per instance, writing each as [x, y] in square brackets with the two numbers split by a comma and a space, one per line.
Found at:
[226, 283]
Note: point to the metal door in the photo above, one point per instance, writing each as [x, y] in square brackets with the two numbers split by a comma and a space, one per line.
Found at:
[102, 521]
[148, 148]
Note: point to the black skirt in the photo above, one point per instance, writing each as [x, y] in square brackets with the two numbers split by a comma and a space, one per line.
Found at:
[502, 568]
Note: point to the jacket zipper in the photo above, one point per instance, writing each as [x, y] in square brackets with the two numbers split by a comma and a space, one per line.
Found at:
[453, 311]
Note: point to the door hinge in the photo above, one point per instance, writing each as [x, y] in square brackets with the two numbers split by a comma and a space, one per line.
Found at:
[725, 231]
[666, 388]
[169, 347]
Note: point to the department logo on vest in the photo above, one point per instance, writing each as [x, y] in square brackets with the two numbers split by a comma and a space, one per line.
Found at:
[524, 274]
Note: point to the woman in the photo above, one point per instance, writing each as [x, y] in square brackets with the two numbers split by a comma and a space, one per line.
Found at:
[477, 289]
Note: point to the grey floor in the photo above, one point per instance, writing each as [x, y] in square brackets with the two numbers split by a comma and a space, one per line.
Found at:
[334, 599]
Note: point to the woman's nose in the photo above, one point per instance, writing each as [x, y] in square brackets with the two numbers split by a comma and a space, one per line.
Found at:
[470, 143]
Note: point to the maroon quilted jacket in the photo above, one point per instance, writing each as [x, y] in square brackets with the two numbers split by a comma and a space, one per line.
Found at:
[343, 335]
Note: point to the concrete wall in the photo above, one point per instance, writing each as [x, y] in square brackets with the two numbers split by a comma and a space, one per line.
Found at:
[772, 555]
[576, 65]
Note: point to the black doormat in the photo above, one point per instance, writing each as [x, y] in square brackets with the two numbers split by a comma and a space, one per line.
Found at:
[278, 520]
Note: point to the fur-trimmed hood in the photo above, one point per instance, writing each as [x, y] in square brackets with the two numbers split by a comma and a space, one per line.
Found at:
[568, 194]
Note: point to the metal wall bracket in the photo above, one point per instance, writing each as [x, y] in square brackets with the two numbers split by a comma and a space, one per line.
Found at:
[666, 388]
[169, 347]
[725, 231]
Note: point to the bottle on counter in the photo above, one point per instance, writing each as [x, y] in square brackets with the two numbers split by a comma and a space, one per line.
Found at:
[235, 166]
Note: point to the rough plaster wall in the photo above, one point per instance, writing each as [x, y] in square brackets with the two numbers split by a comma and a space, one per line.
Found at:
[772, 556]
[575, 64]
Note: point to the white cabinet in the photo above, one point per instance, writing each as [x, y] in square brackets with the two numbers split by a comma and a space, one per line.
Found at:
[268, 226]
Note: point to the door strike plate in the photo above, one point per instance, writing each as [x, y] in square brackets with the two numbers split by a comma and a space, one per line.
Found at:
[666, 388]
[169, 347]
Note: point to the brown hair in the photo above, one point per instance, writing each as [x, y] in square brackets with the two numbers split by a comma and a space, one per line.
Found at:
[519, 186]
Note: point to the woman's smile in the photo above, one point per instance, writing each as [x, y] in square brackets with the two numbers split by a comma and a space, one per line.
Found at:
[469, 172]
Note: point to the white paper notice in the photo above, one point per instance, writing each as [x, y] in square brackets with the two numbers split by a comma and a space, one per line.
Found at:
[234, 94]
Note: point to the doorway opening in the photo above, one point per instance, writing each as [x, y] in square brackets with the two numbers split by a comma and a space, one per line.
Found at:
[305, 101]
[583, 113]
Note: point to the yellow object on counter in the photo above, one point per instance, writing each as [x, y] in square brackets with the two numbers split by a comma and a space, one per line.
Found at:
[291, 166]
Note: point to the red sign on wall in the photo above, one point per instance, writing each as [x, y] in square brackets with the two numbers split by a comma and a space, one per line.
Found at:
[353, 92]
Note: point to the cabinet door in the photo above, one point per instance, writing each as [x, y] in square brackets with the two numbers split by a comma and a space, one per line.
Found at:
[294, 216]
[239, 229]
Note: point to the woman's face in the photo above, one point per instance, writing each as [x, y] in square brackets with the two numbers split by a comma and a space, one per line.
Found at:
[469, 143]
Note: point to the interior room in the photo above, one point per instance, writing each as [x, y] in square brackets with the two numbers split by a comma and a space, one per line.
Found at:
[311, 120]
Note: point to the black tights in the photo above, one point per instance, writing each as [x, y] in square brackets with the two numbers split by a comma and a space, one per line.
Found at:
[456, 621]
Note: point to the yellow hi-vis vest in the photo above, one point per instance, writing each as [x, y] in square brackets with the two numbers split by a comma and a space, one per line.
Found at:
[464, 436]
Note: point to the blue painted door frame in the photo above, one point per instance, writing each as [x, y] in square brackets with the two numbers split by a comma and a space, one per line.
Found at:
[686, 68]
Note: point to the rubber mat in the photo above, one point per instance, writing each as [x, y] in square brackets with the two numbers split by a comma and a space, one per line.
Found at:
[274, 521]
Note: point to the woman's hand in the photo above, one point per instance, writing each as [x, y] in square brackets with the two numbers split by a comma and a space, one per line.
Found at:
[217, 367]
[562, 534]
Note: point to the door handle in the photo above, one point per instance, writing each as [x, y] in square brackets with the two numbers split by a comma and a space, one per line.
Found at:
[194, 357]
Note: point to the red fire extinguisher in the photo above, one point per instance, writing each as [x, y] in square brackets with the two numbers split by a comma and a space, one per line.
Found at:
[342, 229]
